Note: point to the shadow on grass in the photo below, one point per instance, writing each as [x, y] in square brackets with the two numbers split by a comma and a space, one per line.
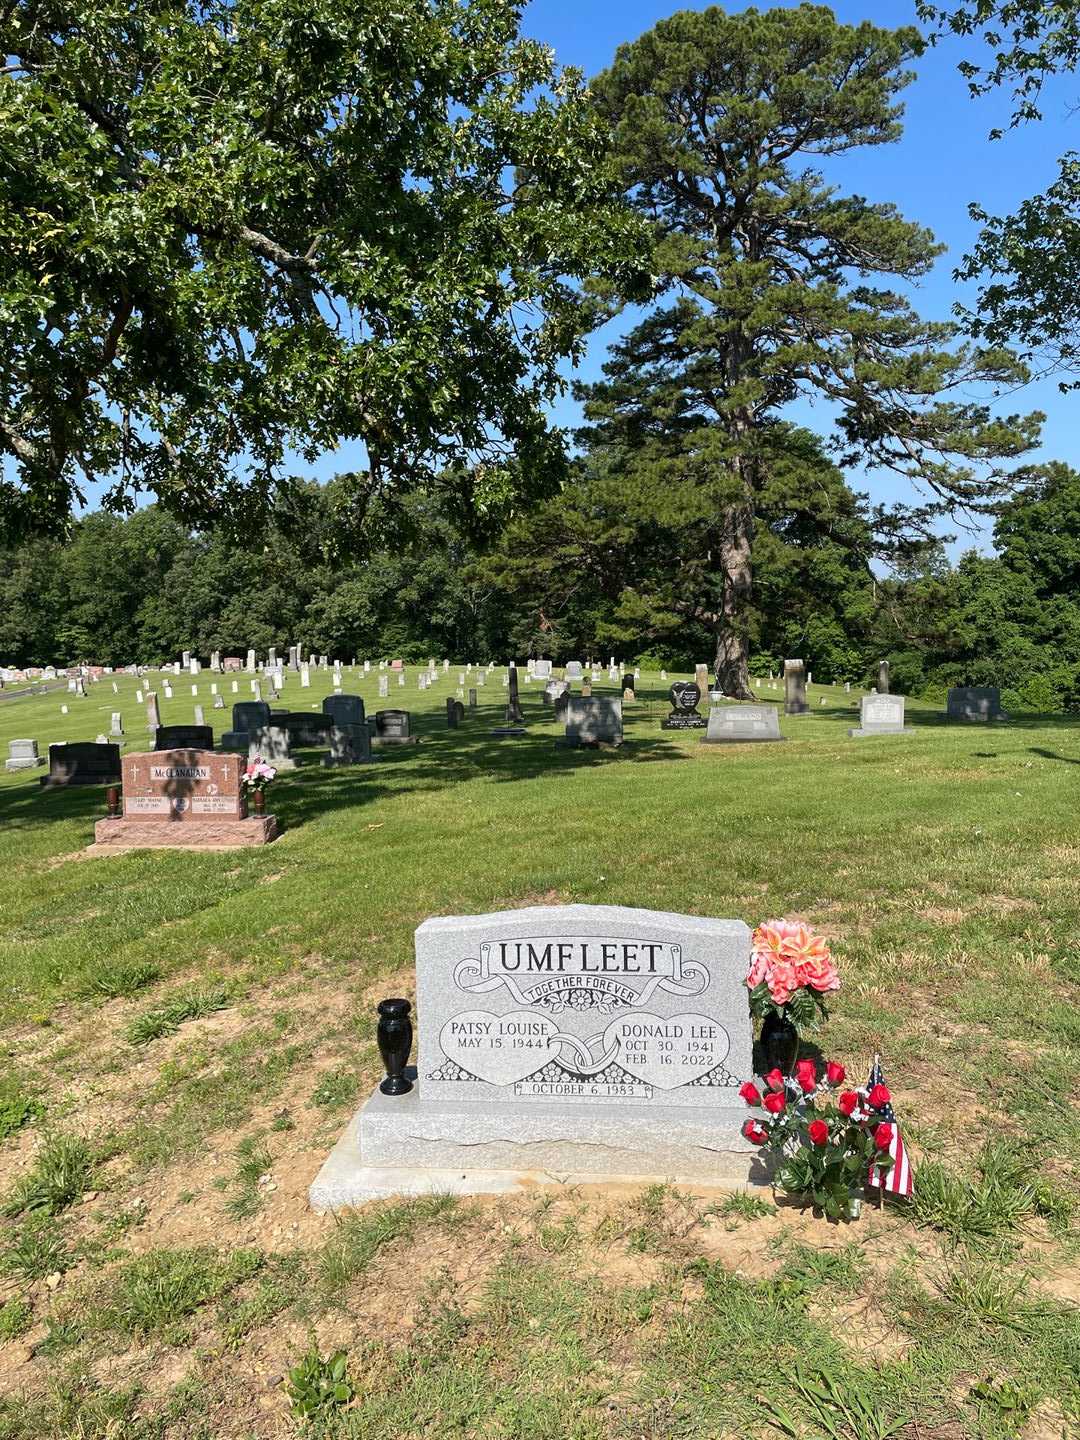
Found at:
[443, 758]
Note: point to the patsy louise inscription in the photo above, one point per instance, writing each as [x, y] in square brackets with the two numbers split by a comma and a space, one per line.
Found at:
[583, 1003]
[181, 785]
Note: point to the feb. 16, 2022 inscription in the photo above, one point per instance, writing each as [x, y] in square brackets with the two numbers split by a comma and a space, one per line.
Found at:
[584, 1003]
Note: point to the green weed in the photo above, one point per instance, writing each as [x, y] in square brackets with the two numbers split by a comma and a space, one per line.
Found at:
[316, 1384]
[115, 978]
[16, 1318]
[60, 1174]
[358, 1238]
[37, 1248]
[153, 1293]
[166, 1019]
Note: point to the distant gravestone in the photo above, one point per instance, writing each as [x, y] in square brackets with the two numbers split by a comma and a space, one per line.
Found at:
[795, 688]
[200, 718]
[153, 715]
[392, 727]
[116, 726]
[541, 669]
[184, 737]
[628, 687]
[349, 745]
[975, 702]
[305, 727]
[684, 697]
[273, 744]
[455, 713]
[251, 660]
[733, 724]
[572, 1040]
[219, 702]
[384, 686]
[345, 709]
[514, 714]
[883, 677]
[573, 670]
[305, 676]
[701, 677]
[83, 763]
[881, 715]
[472, 698]
[23, 755]
[250, 714]
[593, 720]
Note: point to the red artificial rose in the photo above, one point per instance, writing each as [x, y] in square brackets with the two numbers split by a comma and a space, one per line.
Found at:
[818, 1132]
[878, 1097]
[883, 1136]
[847, 1102]
[775, 1080]
[755, 1132]
[835, 1072]
[750, 1093]
[806, 1075]
[774, 1103]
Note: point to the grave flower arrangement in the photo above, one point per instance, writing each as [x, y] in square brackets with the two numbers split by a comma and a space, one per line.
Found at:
[257, 776]
[254, 781]
[791, 971]
[823, 1138]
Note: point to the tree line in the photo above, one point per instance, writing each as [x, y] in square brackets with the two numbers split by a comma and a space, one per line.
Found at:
[584, 574]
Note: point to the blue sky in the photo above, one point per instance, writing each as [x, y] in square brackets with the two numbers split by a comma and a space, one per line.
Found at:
[943, 162]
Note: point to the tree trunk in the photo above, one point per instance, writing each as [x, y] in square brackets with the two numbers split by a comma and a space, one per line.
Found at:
[732, 663]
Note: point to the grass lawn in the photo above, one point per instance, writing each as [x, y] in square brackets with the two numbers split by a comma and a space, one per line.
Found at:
[186, 1035]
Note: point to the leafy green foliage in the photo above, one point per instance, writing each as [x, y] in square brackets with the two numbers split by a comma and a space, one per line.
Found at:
[383, 245]
[15, 1112]
[357, 1239]
[114, 978]
[316, 1384]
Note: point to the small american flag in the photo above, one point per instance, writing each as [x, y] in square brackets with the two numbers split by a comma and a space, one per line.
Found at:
[898, 1179]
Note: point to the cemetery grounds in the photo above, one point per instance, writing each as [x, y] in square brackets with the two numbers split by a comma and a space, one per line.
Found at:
[186, 1035]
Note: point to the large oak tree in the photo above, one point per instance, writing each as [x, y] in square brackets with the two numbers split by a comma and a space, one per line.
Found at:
[234, 232]
[775, 285]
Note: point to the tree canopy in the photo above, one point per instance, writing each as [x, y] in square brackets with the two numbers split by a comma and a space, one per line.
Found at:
[234, 232]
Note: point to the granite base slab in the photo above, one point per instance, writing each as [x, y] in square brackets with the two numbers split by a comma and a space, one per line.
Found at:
[402, 1145]
[859, 733]
[380, 740]
[111, 835]
[27, 764]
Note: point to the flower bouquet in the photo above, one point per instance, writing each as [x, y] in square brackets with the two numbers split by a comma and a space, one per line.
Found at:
[791, 972]
[824, 1145]
[254, 781]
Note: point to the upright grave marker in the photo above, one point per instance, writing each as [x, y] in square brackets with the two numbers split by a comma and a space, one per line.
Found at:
[185, 798]
[881, 715]
[795, 688]
[733, 724]
[684, 697]
[975, 702]
[579, 1041]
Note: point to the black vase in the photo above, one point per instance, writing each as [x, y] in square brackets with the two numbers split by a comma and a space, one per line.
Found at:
[779, 1044]
[394, 1037]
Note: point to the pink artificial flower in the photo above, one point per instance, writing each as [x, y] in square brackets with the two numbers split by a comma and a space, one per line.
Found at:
[758, 968]
[783, 981]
